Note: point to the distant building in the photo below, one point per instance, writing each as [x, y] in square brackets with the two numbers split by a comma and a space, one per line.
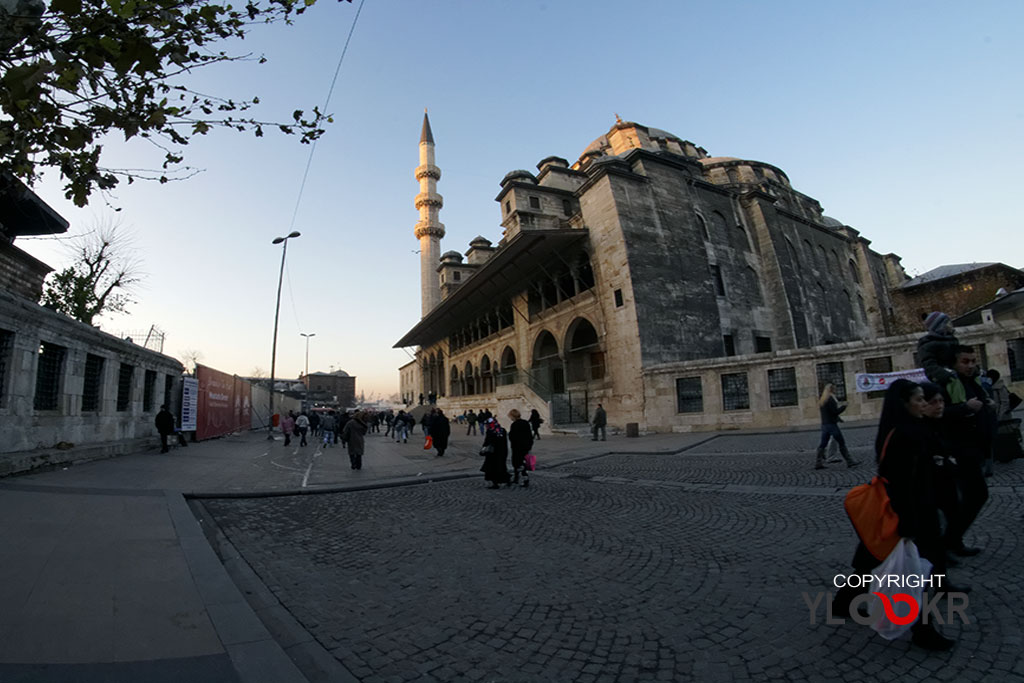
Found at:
[954, 289]
[331, 387]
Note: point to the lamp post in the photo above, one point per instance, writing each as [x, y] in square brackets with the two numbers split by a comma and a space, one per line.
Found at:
[277, 312]
[307, 336]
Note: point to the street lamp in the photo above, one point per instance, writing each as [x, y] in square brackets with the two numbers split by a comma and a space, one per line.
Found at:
[307, 336]
[277, 312]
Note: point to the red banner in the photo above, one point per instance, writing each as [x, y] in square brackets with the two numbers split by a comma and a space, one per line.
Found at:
[224, 403]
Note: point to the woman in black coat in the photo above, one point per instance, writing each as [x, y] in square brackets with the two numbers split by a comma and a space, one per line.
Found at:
[520, 438]
[495, 452]
[535, 421]
[905, 462]
[440, 430]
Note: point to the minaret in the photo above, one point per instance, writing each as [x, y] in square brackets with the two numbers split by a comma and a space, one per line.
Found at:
[429, 230]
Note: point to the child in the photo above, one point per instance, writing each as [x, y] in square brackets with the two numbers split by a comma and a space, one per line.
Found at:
[936, 350]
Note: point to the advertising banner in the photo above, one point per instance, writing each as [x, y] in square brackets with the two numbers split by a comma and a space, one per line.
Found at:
[189, 403]
[224, 402]
[880, 381]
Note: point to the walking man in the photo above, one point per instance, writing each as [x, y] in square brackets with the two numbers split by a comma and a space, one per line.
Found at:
[600, 420]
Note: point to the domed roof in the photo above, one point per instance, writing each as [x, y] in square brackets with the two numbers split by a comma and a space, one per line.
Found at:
[340, 373]
[830, 222]
[453, 255]
[519, 174]
[480, 241]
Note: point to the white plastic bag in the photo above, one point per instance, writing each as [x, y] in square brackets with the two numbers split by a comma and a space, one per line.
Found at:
[904, 561]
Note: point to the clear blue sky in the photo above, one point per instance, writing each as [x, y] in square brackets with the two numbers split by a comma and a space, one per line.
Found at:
[903, 119]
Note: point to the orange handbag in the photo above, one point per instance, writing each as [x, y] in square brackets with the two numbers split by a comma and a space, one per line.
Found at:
[429, 443]
[871, 513]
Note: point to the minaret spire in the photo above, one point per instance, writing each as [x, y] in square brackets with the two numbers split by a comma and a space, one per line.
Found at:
[429, 230]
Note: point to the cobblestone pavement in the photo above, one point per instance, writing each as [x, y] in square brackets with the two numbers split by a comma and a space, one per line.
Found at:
[621, 568]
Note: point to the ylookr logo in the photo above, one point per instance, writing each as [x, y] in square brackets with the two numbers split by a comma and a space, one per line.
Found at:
[899, 608]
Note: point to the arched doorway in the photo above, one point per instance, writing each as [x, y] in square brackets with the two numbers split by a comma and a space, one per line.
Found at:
[509, 372]
[486, 376]
[547, 367]
[467, 377]
[584, 356]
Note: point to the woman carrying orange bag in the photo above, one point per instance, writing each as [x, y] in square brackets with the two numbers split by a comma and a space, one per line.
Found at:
[908, 469]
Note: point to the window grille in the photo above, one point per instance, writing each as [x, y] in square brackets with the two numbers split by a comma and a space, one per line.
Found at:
[782, 390]
[879, 364]
[735, 395]
[148, 390]
[762, 344]
[689, 395]
[93, 383]
[168, 387]
[1015, 351]
[6, 344]
[124, 387]
[48, 372]
[832, 372]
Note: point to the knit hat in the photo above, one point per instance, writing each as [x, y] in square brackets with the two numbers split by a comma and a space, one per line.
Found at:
[936, 321]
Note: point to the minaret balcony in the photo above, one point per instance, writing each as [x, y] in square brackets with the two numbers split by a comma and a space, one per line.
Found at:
[428, 171]
[429, 199]
[429, 230]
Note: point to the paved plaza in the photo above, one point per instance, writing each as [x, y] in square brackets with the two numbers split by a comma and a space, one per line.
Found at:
[663, 558]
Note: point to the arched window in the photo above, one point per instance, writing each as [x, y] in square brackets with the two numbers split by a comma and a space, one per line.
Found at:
[809, 252]
[584, 336]
[702, 224]
[508, 373]
[486, 378]
[793, 258]
[545, 347]
[822, 259]
[854, 273]
[742, 241]
[467, 378]
[718, 225]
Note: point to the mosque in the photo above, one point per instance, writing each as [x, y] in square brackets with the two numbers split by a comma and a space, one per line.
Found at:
[680, 290]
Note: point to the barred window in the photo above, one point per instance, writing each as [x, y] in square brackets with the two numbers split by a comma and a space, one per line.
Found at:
[735, 395]
[93, 383]
[782, 387]
[147, 391]
[49, 367]
[6, 344]
[124, 387]
[1015, 351]
[762, 344]
[689, 395]
[832, 372]
[879, 364]
[168, 387]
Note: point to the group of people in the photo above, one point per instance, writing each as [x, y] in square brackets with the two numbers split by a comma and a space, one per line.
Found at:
[933, 442]
[495, 450]
[473, 419]
[332, 427]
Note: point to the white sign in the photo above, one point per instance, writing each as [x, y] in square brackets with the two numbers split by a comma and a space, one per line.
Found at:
[880, 381]
[189, 403]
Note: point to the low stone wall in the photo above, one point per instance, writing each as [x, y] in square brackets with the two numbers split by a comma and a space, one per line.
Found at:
[662, 414]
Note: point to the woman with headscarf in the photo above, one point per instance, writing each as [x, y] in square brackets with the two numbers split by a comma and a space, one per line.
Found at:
[495, 452]
[520, 439]
[830, 409]
[355, 434]
[905, 463]
[440, 430]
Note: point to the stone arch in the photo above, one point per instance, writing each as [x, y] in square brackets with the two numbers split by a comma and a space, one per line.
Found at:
[854, 272]
[548, 370]
[509, 373]
[703, 225]
[584, 356]
[468, 379]
[455, 386]
[718, 224]
[486, 375]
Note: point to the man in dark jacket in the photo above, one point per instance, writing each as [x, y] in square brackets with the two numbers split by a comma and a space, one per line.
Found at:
[970, 427]
[165, 425]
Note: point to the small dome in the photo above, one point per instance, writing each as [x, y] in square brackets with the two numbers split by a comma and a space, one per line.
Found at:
[480, 241]
[519, 174]
[451, 256]
[554, 161]
[340, 373]
[830, 222]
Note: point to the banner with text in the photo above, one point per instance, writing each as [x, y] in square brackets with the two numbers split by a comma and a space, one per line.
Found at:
[224, 402]
[189, 403]
[880, 381]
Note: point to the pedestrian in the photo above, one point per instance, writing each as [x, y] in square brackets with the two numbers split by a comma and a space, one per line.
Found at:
[904, 461]
[401, 427]
[947, 497]
[471, 421]
[535, 422]
[288, 427]
[355, 436]
[342, 421]
[327, 426]
[1000, 396]
[600, 420]
[440, 431]
[426, 421]
[314, 423]
[302, 424]
[495, 452]
[520, 439]
[971, 428]
[830, 409]
[936, 350]
[164, 422]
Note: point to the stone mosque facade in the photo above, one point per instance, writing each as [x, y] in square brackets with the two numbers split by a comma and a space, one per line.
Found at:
[681, 290]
